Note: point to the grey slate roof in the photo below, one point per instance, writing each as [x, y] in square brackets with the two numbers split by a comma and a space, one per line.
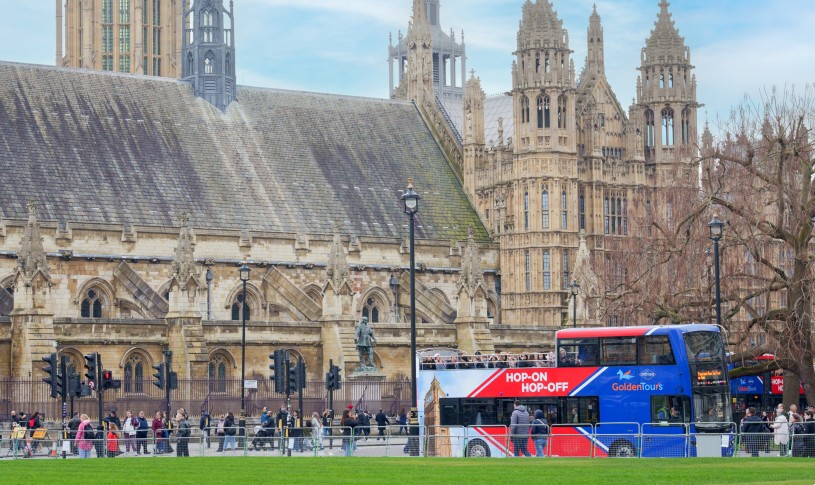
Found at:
[495, 106]
[95, 147]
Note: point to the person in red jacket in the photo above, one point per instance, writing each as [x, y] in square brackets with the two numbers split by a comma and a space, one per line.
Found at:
[158, 433]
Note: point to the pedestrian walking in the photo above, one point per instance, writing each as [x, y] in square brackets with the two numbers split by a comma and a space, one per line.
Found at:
[328, 430]
[229, 432]
[540, 433]
[220, 433]
[381, 424]
[781, 430]
[752, 428]
[519, 429]
[85, 436]
[349, 423]
[206, 426]
[182, 446]
[402, 421]
[316, 430]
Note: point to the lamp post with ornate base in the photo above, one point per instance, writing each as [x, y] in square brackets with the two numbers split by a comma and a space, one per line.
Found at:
[244, 276]
[411, 201]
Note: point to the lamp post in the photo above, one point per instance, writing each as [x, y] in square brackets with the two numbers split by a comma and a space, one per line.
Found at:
[708, 264]
[395, 289]
[243, 272]
[574, 288]
[411, 201]
[716, 228]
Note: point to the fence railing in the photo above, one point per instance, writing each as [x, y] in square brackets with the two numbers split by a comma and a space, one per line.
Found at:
[598, 440]
[195, 395]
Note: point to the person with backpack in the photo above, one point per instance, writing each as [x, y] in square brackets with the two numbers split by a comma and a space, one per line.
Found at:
[85, 436]
[229, 432]
[182, 446]
[205, 426]
[540, 432]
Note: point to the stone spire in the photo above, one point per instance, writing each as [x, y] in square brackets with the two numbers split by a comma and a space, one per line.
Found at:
[541, 27]
[589, 294]
[420, 55]
[31, 259]
[474, 111]
[184, 259]
[472, 278]
[337, 270]
[595, 60]
[209, 59]
[665, 44]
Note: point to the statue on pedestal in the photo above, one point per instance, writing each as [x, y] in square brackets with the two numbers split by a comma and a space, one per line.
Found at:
[365, 341]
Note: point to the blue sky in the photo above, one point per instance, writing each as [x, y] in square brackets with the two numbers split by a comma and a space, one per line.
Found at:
[340, 46]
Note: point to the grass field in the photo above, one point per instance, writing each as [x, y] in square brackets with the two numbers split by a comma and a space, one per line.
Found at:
[387, 471]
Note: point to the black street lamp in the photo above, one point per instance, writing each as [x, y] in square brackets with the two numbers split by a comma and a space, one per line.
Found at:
[395, 289]
[716, 229]
[708, 265]
[574, 288]
[243, 272]
[411, 201]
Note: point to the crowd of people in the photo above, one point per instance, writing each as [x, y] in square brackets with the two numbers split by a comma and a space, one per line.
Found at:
[501, 360]
[758, 429]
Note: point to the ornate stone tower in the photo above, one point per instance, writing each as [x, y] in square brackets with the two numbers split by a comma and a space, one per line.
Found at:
[447, 55]
[132, 36]
[209, 51]
[666, 94]
[540, 233]
[595, 59]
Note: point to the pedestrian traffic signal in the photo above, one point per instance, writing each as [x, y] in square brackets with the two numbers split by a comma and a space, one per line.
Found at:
[53, 379]
[159, 375]
[108, 382]
[300, 374]
[91, 366]
[278, 365]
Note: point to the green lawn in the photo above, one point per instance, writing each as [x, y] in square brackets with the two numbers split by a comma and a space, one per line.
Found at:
[387, 471]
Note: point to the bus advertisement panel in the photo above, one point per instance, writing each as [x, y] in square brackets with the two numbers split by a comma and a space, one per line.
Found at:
[617, 378]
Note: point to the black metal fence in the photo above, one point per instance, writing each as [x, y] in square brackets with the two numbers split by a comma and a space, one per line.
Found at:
[196, 395]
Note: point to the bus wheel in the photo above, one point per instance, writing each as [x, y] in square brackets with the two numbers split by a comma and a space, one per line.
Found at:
[478, 449]
[622, 449]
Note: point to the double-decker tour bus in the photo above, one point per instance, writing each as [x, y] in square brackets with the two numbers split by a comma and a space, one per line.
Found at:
[764, 391]
[601, 386]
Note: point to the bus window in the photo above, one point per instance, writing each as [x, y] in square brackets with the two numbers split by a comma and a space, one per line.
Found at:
[670, 409]
[478, 412]
[618, 351]
[577, 352]
[704, 347]
[656, 350]
[574, 410]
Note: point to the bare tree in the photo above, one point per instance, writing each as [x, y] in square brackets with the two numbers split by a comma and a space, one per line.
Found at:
[759, 178]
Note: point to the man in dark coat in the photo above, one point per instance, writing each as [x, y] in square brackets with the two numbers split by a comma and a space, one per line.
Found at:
[73, 426]
[381, 423]
[751, 427]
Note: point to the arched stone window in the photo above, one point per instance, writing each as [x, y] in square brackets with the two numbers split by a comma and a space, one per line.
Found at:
[209, 62]
[543, 112]
[241, 301]
[685, 126]
[667, 127]
[371, 310]
[228, 67]
[547, 270]
[134, 373]
[219, 364]
[649, 129]
[524, 109]
[6, 299]
[564, 211]
[314, 292]
[545, 209]
[526, 210]
[661, 81]
[561, 111]
[93, 303]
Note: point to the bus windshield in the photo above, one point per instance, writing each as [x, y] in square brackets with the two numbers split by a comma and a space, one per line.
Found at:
[704, 347]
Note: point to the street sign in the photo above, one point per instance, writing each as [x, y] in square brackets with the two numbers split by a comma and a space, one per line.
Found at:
[250, 384]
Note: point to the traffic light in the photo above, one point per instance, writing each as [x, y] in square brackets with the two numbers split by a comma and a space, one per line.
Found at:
[279, 359]
[108, 382]
[91, 366]
[53, 375]
[159, 375]
[292, 379]
[172, 380]
[74, 385]
[301, 375]
[336, 378]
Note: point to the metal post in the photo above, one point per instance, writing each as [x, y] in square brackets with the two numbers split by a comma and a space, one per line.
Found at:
[98, 386]
[300, 390]
[242, 420]
[718, 288]
[168, 362]
[414, 430]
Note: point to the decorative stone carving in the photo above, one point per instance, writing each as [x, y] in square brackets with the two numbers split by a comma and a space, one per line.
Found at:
[31, 259]
[337, 270]
[184, 259]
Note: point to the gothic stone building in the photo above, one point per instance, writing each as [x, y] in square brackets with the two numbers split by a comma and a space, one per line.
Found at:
[129, 202]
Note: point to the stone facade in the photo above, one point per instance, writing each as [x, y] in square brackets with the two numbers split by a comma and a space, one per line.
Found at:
[521, 194]
[130, 36]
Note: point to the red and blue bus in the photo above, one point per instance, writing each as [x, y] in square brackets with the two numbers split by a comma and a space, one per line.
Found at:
[604, 387]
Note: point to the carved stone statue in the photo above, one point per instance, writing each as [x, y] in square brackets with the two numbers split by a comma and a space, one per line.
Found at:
[365, 341]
